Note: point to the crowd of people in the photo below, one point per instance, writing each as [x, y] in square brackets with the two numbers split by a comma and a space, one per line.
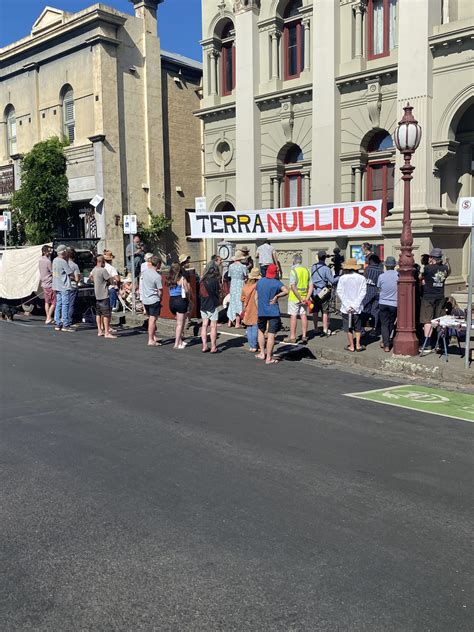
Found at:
[365, 294]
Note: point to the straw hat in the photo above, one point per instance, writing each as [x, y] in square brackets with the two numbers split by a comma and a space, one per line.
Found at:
[108, 255]
[183, 258]
[255, 274]
[351, 264]
[239, 256]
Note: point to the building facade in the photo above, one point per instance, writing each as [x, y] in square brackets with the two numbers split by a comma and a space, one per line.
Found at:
[301, 99]
[99, 79]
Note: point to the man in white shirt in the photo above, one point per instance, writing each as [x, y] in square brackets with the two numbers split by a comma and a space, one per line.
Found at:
[351, 290]
[266, 255]
[151, 291]
[114, 279]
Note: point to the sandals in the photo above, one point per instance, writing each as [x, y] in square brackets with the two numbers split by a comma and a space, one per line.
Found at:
[347, 348]
[359, 349]
[272, 361]
[291, 341]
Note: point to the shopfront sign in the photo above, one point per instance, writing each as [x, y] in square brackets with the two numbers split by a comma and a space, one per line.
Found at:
[362, 219]
[7, 181]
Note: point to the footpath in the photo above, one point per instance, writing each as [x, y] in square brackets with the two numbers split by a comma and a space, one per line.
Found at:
[330, 350]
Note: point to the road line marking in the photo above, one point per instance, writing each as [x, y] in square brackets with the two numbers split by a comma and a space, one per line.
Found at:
[433, 401]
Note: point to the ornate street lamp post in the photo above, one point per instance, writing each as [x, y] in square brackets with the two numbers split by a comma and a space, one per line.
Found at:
[407, 137]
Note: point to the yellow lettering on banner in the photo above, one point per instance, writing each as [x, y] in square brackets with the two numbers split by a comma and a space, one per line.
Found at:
[229, 221]
[244, 221]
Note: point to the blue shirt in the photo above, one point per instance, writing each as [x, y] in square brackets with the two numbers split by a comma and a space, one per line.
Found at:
[388, 286]
[267, 289]
[321, 276]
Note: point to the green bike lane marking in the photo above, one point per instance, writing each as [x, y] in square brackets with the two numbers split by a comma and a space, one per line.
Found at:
[435, 401]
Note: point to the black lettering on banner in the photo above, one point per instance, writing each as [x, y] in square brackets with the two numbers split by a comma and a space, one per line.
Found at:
[258, 224]
[244, 221]
[214, 219]
[229, 221]
[203, 218]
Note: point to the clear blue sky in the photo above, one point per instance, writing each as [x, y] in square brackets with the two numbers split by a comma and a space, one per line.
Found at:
[179, 21]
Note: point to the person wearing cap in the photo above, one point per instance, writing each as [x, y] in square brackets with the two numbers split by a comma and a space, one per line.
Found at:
[269, 290]
[301, 289]
[100, 277]
[184, 262]
[249, 295]
[321, 278]
[433, 281]
[351, 289]
[144, 265]
[114, 279]
[151, 290]
[62, 277]
[387, 284]
[237, 274]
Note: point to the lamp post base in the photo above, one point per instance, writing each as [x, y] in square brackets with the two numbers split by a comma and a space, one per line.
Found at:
[406, 343]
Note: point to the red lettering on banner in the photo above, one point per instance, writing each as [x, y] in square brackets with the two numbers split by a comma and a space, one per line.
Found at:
[302, 227]
[335, 218]
[370, 221]
[355, 218]
[295, 222]
[275, 221]
[317, 224]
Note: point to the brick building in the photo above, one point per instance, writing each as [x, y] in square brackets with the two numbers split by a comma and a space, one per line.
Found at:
[99, 79]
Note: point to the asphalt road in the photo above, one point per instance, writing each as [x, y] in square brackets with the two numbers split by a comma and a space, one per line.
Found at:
[151, 489]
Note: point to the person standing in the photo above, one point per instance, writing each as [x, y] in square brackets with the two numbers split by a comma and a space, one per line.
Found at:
[46, 278]
[366, 251]
[301, 289]
[237, 274]
[114, 279]
[433, 281]
[269, 290]
[100, 276]
[249, 302]
[75, 279]
[62, 287]
[135, 254]
[322, 279]
[248, 261]
[351, 289]
[179, 301]
[209, 295]
[370, 308]
[337, 261]
[266, 255]
[387, 284]
[151, 291]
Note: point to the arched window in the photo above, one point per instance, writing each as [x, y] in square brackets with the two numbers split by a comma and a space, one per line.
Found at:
[380, 171]
[292, 177]
[227, 73]
[10, 119]
[69, 115]
[381, 27]
[293, 40]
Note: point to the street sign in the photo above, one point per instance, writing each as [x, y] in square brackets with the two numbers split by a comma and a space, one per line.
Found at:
[200, 204]
[6, 221]
[466, 211]
[130, 225]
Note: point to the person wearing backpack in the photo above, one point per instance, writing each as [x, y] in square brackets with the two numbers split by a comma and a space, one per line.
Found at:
[322, 279]
[209, 297]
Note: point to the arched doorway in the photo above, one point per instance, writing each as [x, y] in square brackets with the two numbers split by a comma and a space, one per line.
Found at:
[224, 207]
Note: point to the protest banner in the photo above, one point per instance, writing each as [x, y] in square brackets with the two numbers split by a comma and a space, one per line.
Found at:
[350, 219]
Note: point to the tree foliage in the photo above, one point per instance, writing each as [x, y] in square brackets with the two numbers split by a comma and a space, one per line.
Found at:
[42, 200]
[152, 233]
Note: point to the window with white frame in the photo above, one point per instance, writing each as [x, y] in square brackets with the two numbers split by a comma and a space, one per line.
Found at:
[69, 115]
[11, 130]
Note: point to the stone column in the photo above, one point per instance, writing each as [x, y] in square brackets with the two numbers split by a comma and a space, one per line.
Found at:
[307, 43]
[415, 84]
[247, 130]
[326, 132]
[359, 10]
[306, 188]
[276, 191]
[358, 174]
[213, 56]
[275, 36]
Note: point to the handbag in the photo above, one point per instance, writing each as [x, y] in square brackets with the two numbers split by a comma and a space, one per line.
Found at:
[325, 292]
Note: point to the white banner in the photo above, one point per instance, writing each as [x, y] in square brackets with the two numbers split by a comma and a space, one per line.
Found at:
[362, 219]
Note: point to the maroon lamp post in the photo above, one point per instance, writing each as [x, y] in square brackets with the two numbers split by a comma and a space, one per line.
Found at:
[407, 137]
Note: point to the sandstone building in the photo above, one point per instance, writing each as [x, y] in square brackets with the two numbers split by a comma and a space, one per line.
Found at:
[99, 78]
[301, 98]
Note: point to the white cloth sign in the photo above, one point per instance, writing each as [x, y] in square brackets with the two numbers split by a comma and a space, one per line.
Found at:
[362, 219]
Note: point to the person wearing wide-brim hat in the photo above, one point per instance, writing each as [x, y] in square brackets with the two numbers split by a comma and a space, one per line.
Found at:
[249, 310]
[351, 290]
[237, 274]
[248, 259]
